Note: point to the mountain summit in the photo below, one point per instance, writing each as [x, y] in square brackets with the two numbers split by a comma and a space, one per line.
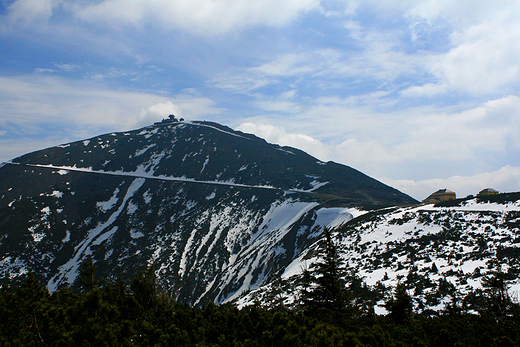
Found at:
[218, 211]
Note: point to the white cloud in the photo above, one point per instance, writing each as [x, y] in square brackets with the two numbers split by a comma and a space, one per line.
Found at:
[459, 48]
[462, 13]
[30, 105]
[402, 144]
[483, 55]
[317, 64]
[380, 62]
[185, 105]
[13, 148]
[42, 70]
[371, 154]
[504, 180]
[278, 135]
[159, 111]
[486, 58]
[291, 64]
[199, 17]
[67, 66]
[31, 10]
[38, 99]
[50, 99]
[479, 41]
[207, 17]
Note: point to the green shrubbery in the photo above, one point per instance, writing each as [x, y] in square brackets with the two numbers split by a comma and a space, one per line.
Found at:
[116, 313]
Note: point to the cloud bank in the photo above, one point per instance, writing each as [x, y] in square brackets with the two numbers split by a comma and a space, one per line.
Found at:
[202, 17]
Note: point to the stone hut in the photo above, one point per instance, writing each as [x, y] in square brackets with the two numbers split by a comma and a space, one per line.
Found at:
[439, 196]
[487, 191]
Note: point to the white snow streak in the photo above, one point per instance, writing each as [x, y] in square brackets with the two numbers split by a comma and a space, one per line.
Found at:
[147, 175]
[69, 269]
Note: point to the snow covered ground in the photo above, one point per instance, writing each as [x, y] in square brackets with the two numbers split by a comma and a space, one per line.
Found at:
[426, 248]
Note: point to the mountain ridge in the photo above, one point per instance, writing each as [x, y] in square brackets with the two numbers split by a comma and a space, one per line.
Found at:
[220, 212]
[147, 162]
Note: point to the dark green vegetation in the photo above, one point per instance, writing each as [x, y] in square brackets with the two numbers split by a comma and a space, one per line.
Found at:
[116, 313]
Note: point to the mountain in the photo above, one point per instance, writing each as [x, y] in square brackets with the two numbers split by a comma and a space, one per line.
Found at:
[437, 252]
[219, 212]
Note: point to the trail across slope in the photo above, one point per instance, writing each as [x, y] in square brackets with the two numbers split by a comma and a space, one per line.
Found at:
[65, 169]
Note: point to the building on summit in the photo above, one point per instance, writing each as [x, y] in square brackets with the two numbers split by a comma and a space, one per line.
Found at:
[171, 119]
[439, 196]
[487, 191]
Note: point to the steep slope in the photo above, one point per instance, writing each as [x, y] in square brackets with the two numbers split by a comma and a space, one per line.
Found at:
[217, 211]
[436, 251]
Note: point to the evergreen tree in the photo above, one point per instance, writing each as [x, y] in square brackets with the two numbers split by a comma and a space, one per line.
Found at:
[400, 305]
[325, 290]
[144, 288]
[496, 299]
[86, 277]
[31, 301]
[30, 316]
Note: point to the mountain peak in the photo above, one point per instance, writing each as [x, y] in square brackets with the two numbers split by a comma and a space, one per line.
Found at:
[210, 152]
[217, 210]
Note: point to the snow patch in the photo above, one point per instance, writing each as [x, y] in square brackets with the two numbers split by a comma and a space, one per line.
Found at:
[316, 185]
[105, 236]
[107, 205]
[37, 237]
[132, 208]
[56, 194]
[204, 165]
[333, 217]
[283, 215]
[68, 271]
[142, 151]
[136, 234]
[147, 197]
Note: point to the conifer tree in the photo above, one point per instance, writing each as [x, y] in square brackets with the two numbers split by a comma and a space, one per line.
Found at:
[325, 289]
[497, 301]
[86, 278]
[400, 305]
[144, 287]
[32, 300]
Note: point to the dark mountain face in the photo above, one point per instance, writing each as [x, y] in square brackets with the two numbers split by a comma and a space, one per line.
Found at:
[212, 152]
[218, 211]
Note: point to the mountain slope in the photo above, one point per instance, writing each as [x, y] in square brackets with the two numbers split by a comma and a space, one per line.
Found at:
[205, 151]
[436, 251]
[218, 211]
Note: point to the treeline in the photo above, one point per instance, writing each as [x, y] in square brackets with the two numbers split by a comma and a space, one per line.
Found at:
[117, 313]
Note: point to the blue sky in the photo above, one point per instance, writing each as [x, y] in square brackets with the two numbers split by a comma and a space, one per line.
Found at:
[421, 95]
